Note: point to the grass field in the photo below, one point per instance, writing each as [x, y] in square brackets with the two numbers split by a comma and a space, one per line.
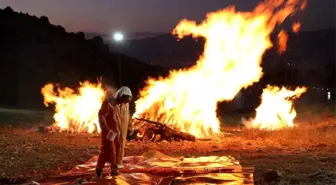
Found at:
[304, 155]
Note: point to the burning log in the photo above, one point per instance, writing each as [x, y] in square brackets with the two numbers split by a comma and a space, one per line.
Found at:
[155, 131]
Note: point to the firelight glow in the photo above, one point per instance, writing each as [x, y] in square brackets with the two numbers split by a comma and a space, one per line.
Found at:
[75, 111]
[276, 110]
[235, 42]
[187, 99]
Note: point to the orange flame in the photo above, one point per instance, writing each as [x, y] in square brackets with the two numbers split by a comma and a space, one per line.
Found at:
[282, 41]
[75, 112]
[235, 43]
[296, 27]
[276, 110]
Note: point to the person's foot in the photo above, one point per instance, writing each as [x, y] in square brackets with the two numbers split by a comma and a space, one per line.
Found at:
[114, 172]
[99, 173]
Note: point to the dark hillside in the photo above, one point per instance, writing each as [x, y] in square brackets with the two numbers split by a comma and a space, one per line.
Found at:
[35, 52]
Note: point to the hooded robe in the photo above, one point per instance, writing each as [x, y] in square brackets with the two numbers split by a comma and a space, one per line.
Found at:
[125, 119]
[109, 119]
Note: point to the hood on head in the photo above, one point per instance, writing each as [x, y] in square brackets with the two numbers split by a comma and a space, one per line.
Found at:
[123, 91]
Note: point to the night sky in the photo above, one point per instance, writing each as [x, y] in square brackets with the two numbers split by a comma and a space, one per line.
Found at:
[104, 16]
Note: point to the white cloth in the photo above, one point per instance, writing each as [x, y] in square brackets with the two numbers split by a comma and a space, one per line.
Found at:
[125, 117]
[124, 109]
[123, 91]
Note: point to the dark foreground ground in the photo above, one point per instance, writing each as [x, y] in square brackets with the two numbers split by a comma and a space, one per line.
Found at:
[304, 155]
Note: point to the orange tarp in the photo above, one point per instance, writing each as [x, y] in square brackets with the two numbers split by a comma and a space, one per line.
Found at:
[155, 168]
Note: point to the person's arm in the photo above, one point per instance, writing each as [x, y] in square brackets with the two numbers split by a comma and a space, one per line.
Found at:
[117, 119]
[103, 113]
[130, 126]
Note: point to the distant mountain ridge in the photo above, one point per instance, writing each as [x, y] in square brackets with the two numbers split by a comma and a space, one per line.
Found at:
[310, 55]
[127, 36]
[35, 52]
[165, 50]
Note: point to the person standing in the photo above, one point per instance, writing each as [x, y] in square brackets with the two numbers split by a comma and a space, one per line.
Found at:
[110, 122]
[123, 96]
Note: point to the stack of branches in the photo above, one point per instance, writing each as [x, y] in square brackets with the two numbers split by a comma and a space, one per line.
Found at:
[146, 130]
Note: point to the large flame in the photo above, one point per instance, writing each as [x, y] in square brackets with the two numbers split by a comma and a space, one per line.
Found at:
[235, 43]
[276, 110]
[75, 112]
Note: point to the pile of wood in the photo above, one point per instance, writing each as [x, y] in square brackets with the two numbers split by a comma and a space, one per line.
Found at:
[146, 130]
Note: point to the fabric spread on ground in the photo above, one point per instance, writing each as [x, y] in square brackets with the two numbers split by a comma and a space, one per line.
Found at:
[155, 168]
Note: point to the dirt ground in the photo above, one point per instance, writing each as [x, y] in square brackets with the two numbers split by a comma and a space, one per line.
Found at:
[303, 155]
[27, 154]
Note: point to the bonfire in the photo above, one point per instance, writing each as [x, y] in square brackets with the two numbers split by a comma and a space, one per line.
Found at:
[235, 42]
[186, 100]
[276, 110]
[75, 111]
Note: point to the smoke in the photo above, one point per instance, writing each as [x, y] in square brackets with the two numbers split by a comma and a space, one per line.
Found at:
[110, 90]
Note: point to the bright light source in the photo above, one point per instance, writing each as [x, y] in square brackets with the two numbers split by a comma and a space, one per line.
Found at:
[329, 95]
[118, 36]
